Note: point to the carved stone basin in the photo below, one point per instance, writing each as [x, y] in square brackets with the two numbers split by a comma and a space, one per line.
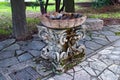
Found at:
[62, 32]
[62, 21]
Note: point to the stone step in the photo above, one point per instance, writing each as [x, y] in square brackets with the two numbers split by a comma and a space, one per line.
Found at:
[93, 24]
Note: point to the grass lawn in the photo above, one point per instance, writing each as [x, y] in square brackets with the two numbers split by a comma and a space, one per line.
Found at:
[6, 22]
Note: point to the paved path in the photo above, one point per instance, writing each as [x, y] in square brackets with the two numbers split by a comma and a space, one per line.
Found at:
[102, 61]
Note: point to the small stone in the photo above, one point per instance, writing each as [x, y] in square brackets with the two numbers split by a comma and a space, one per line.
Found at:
[25, 57]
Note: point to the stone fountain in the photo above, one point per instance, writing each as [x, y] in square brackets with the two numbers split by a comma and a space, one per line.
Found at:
[61, 32]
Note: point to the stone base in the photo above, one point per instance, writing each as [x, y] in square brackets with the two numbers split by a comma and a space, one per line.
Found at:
[93, 24]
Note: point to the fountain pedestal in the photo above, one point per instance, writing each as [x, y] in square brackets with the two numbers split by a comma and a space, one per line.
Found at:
[62, 50]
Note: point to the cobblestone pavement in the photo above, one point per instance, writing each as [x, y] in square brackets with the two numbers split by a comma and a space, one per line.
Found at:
[102, 58]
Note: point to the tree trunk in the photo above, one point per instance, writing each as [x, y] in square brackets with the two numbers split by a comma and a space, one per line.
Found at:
[18, 19]
[69, 5]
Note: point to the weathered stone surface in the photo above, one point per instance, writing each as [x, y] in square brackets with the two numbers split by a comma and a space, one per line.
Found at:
[2, 77]
[98, 65]
[77, 68]
[101, 41]
[94, 24]
[108, 33]
[19, 52]
[105, 51]
[25, 57]
[36, 45]
[35, 52]
[8, 62]
[88, 51]
[25, 74]
[115, 68]
[6, 43]
[13, 47]
[81, 75]
[6, 54]
[112, 38]
[92, 45]
[108, 75]
[117, 44]
[63, 77]
[114, 57]
[90, 71]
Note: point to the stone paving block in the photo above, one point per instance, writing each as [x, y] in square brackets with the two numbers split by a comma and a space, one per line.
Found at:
[8, 62]
[108, 75]
[36, 45]
[117, 44]
[92, 45]
[115, 68]
[81, 75]
[108, 33]
[101, 41]
[88, 51]
[2, 77]
[13, 47]
[113, 38]
[19, 52]
[25, 74]
[6, 54]
[24, 57]
[62, 77]
[98, 65]
[6, 43]
[94, 24]
[90, 71]
[35, 53]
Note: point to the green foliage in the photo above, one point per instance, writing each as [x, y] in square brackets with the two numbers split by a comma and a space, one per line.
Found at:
[5, 31]
[100, 3]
